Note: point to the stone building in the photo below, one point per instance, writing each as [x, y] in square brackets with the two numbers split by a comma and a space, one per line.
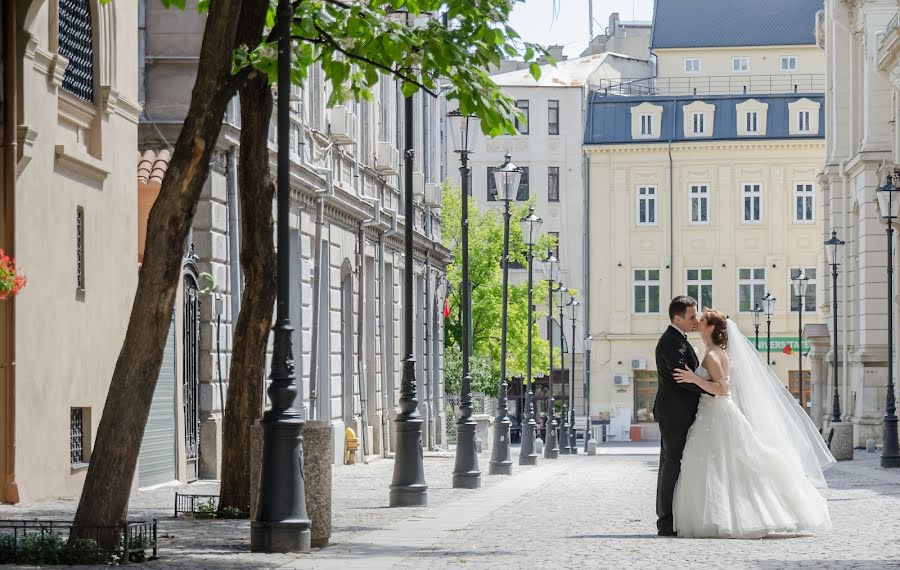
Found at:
[702, 182]
[347, 237]
[70, 112]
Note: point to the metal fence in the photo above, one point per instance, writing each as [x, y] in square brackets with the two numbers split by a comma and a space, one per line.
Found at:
[48, 542]
[481, 404]
[207, 506]
[714, 85]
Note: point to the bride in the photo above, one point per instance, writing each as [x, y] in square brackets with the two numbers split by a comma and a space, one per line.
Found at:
[753, 459]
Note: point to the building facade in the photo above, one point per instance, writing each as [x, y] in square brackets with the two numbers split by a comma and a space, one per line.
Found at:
[347, 231]
[703, 182]
[861, 44]
[70, 108]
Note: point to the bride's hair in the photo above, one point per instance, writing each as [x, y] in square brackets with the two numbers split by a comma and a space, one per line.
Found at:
[719, 322]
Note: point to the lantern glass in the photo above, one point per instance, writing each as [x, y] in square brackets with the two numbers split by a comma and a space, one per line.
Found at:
[588, 343]
[463, 130]
[888, 199]
[833, 249]
[801, 281]
[506, 180]
[768, 305]
[552, 268]
[757, 313]
[531, 229]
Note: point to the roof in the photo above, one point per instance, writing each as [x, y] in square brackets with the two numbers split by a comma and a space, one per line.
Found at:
[727, 23]
[573, 72]
[152, 166]
[609, 118]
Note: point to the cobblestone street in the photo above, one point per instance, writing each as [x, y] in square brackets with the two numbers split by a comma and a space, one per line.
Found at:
[577, 512]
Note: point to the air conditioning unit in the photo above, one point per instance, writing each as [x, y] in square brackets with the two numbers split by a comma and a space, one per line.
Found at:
[419, 187]
[387, 159]
[433, 195]
[638, 364]
[343, 125]
[620, 380]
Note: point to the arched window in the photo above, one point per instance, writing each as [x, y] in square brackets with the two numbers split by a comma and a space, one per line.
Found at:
[76, 43]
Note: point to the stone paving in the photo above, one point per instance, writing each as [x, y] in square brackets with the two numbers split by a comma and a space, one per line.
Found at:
[576, 512]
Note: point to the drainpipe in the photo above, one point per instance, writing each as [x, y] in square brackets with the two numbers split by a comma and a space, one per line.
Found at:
[386, 359]
[586, 254]
[360, 334]
[845, 348]
[672, 205]
[10, 148]
[234, 254]
[429, 349]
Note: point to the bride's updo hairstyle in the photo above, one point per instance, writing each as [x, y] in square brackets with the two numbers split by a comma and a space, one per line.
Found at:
[719, 323]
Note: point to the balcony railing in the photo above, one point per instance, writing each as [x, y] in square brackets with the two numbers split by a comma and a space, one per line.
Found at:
[714, 85]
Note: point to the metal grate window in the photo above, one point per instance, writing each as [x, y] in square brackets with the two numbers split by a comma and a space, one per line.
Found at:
[76, 44]
[76, 436]
[79, 248]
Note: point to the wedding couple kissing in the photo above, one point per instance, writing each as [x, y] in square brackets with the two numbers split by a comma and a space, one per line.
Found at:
[739, 458]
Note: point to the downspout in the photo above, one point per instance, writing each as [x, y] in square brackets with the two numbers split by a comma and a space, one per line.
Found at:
[360, 334]
[236, 279]
[586, 254]
[10, 123]
[845, 349]
[429, 349]
[672, 205]
[386, 359]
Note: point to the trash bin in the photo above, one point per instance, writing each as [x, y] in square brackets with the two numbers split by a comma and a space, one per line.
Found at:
[635, 433]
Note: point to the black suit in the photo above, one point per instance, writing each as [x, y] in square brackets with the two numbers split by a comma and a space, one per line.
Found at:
[674, 410]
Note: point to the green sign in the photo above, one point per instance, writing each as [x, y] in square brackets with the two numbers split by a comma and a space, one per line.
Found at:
[778, 343]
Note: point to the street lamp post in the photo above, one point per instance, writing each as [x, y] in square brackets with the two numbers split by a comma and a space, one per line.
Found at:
[586, 351]
[801, 282]
[757, 313]
[466, 474]
[563, 436]
[768, 306]
[551, 446]
[889, 205]
[506, 180]
[531, 231]
[281, 523]
[573, 443]
[833, 249]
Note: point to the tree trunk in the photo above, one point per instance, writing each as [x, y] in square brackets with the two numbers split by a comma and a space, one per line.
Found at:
[248, 361]
[104, 499]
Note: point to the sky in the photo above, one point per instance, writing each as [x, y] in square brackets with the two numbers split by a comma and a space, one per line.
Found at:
[533, 19]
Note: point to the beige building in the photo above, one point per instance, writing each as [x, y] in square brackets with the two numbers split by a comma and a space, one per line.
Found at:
[69, 216]
[861, 43]
[703, 182]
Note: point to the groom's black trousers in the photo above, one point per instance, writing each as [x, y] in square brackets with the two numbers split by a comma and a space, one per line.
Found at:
[671, 447]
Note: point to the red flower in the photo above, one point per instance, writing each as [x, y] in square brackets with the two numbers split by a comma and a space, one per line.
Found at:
[11, 281]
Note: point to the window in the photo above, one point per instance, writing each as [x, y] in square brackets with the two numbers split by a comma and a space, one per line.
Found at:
[699, 204]
[79, 248]
[788, 63]
[76, 436]
[752, 122]
[553, 117]
[646, 124]
[76, 45]
[522, 106]
[803, 122]
[555, 250]
[752, 194]
[646, 291]
[296, 143]
[698, 123]
[740, 64]
[647, 205]
[700, 286]
[553, 184]
[803, 198]
[751, 288]
[521, 195]
[692, 65]
[809, 300]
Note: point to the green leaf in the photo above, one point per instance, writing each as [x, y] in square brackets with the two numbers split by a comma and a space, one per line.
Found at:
[535, 70]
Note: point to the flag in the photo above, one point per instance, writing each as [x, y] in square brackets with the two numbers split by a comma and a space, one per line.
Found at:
[446, 308]
[788, 349]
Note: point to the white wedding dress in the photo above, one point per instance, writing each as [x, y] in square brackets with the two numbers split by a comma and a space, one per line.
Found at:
[734, 484]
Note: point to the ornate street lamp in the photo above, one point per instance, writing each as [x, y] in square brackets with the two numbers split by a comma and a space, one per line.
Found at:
[281, 523]
[563, 437]
[586, 350]
[768, 307]
[466, 474]
[833, 248]
[757, 314]
[801, 282]
[531, 232]
[551, 448]
[572, 305]
[506, 180]
[889, 204]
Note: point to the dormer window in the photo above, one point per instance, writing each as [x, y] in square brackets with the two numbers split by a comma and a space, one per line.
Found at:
[752, 122]
[804, 117]
[803, 125]
[646, 121]
[751, 118]
[698, 119]
[646, 124]
[698, 123]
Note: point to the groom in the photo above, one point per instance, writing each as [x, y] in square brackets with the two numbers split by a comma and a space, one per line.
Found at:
[676, 404]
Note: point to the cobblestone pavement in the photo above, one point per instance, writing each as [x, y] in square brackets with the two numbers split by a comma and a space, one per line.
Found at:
[576, 512]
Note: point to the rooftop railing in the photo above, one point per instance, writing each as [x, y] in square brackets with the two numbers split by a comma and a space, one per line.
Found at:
[714, 85]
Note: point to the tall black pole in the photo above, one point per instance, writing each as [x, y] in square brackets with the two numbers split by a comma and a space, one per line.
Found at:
[408, 488]
[836, 401]
[768, 340]
[527, 455]
[756, 326]
[551, 446]
[281, 523]
[573, 440]
[564, 448]
[466, 474]
[890, 454]
[501, 456]
[800, 352]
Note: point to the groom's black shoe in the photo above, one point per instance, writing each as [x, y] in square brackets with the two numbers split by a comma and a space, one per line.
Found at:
[670, 533]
